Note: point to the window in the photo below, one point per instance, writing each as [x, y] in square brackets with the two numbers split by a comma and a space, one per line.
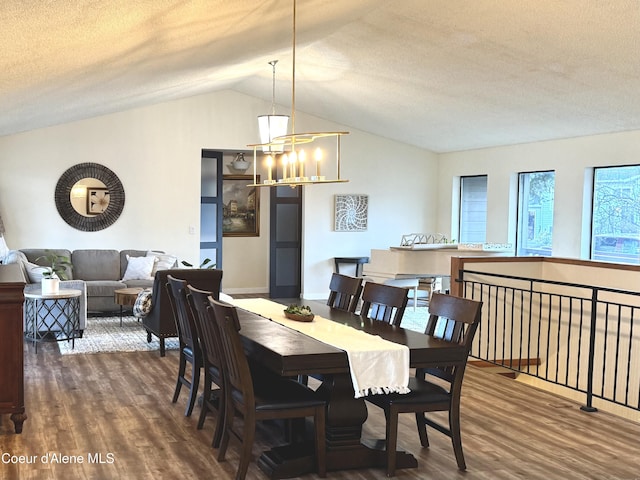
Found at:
[535, 213]
[473, 209]
[615, 222]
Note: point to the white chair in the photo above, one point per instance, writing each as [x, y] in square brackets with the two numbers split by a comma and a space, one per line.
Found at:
[410, 283]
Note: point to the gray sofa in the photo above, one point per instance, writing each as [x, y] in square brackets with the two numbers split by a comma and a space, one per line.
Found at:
[102, 271]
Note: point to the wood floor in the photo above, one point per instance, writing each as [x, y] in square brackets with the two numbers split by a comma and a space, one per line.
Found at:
[117, 408]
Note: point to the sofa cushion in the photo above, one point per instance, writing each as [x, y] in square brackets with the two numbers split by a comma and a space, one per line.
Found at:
[100, 264]
[139, 268]
[19, 258]
[139, 283]
[103, 288]
[34, 255]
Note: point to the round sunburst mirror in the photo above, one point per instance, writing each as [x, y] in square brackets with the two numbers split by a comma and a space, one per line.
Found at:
[89, 197]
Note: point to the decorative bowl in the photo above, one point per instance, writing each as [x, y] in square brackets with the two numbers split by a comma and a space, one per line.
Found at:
[299, 318]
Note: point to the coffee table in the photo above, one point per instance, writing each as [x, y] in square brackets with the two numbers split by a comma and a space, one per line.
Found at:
[52, 316]
[126, 297]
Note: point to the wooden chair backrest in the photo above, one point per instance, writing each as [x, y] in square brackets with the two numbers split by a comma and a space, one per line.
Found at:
[384, 302]
[456, 320]
[185, 323]
[203, 315]
[235, 364]
[344, 292]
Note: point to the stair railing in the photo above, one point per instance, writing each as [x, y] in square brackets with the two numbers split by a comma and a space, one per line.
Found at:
[582, 337]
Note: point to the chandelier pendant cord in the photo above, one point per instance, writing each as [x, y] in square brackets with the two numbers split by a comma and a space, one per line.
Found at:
[273, 88]
[293, 74]
[278, 143]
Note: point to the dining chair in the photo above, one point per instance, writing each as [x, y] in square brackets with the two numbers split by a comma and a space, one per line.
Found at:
[263, 397]
[384, 302]
[190, 351]
[212, 399]
[455, 320]
[344, 292]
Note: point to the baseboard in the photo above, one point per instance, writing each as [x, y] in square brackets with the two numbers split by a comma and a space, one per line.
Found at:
[245, 291]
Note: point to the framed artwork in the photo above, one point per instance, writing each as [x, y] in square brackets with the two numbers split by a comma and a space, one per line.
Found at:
[97, 200]
[240, 206]
[351, 213]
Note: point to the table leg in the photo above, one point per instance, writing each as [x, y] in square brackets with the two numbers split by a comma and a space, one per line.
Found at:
[345, 449]
[120, 315]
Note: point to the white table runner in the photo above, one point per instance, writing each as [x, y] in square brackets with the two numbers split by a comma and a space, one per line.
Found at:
[376, 365]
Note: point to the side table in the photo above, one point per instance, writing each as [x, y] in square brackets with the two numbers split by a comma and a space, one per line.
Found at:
[126, 297]
[52, 317]
[358, 261]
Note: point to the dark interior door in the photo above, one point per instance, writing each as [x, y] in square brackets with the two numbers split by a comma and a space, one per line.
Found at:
[285, 243]
[211, 207]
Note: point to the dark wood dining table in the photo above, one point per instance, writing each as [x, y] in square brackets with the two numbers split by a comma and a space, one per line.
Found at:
[290, 353]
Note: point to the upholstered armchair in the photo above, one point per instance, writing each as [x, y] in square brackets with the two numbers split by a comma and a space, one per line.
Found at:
[159, 321]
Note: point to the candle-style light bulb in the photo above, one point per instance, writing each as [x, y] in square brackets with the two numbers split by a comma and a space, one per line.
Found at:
[317, 155]
[285, 162]
[293, 160]
[301, 158]
[269, 161]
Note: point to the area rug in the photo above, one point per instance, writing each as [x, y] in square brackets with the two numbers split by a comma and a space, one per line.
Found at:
[104, 334]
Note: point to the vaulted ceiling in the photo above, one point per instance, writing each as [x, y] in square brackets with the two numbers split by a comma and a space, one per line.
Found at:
[444, 75]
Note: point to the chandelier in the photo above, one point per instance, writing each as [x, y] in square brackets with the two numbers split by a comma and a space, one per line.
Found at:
[293, 151]
[272, 126]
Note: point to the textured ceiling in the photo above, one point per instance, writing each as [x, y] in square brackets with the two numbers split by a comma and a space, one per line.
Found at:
[445, 75]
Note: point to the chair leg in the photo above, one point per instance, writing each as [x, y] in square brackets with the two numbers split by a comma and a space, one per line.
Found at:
[392, 440]
[226, 429]
[422, 429]
[248, 437]
[181, 369]
[193, 391]
[206, 397]
[321, 441]
[220, 419]
[456, 438]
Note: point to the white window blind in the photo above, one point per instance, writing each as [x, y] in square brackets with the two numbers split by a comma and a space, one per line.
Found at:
[473, 209]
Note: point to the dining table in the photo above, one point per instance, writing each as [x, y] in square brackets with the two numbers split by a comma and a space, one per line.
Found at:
[289, 353]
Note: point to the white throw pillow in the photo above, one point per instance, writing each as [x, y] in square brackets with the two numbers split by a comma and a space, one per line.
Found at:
[34, 272]
[14, 256]
[165, 261]
[139, 268]
[4, 250]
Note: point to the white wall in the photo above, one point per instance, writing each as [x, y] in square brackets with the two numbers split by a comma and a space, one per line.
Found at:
[402, 199]
[156, 151]
[571, 159]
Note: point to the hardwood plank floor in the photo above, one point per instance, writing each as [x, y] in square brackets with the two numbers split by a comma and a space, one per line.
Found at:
[117, 408]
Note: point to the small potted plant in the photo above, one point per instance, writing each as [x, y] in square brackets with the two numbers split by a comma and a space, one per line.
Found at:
[206, 264]
[56, 270]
